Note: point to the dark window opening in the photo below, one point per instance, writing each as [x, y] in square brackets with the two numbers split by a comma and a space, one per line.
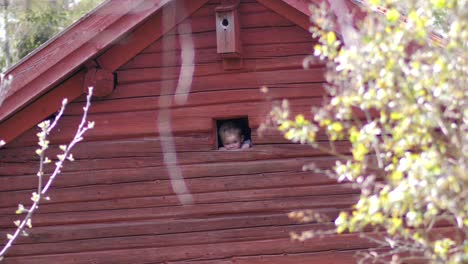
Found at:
[241, 123]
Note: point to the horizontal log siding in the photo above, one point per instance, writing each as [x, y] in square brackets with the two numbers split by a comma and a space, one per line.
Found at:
[115, 203]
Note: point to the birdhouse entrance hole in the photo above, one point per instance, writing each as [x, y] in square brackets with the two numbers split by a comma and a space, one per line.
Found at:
[225, 23]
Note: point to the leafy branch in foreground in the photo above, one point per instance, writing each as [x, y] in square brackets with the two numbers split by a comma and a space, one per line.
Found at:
[41, 193]
[400, 99]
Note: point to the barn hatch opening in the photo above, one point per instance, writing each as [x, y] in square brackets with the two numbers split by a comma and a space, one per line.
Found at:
[241, 123]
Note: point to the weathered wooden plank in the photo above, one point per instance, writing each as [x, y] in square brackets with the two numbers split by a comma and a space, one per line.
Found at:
[137, 181]
[201, 198]
[157, 226]
[201, 99]
[24, 150]
[182, 120]
[327, 257]
[325, 204]
[111, 127]
[291, 34]
[126, 175]
[150, 70]
[270, 136]
[164, 240]
[252, 15]
[91, 158]
[203, 251]
[154, 89]
[124, 196]
[252, 48]
[170, 59]
[248, 52]
[241, 80]
[201, 40]
[277, 50]
[203, 143]
[279, 78]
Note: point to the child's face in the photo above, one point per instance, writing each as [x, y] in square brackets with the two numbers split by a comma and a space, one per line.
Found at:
[232, 141]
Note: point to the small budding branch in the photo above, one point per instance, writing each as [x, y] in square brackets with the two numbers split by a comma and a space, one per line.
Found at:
[42, 189]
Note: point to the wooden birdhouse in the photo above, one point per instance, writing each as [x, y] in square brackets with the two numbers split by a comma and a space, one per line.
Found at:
[228, 30]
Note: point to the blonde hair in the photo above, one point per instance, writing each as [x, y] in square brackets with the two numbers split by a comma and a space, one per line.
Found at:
[229, 127]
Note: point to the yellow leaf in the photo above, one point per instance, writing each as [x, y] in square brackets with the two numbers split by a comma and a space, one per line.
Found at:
[337, 127]
[340, 229]
[353, 134]
[396, 176]
[289, 135]
[300, 119]
[396, 116]
[331, 38]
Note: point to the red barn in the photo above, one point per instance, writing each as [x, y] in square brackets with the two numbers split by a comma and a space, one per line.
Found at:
[116, 203]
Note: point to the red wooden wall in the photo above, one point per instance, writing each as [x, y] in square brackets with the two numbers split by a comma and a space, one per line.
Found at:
[115, 203]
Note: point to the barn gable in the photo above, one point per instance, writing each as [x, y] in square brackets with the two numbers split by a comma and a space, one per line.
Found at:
[58, 68]
[115, 203]
[141, 37]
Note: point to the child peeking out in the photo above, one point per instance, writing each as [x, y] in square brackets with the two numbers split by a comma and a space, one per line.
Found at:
[232, 137]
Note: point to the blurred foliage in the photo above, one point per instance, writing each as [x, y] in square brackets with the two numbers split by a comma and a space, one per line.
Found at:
[398, 94]
[29, 23]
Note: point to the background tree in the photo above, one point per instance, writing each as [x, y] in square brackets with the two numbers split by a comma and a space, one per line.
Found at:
[26, 24]
[398, 94]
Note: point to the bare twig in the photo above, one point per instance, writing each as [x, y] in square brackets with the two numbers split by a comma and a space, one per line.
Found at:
[38, 196]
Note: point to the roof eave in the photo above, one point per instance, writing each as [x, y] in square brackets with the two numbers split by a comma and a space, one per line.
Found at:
[60, 57]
